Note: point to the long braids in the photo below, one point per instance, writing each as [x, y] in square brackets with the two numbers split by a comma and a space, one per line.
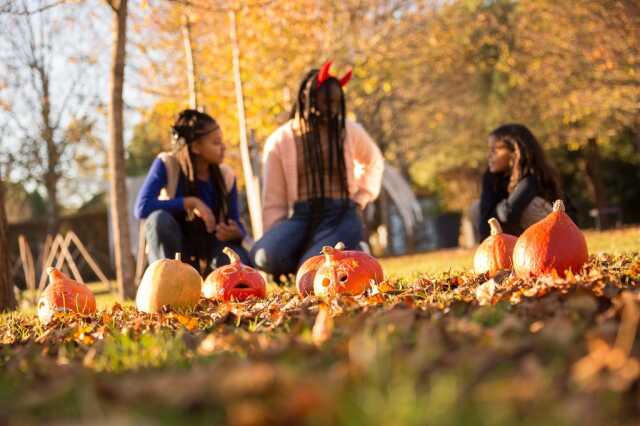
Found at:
[306, 114]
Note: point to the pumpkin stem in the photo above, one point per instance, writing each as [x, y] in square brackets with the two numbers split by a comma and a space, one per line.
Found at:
[496, 229]
[233, 256]
[339, 246]
[178, 256]
[558, 206]
[328, 252]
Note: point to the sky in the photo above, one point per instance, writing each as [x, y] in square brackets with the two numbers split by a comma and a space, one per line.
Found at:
[71, 30]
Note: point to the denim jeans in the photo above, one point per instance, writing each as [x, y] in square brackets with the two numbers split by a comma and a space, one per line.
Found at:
[165, 238]
[291, 241]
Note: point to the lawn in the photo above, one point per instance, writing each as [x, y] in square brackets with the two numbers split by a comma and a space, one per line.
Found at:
[614, 241]
[418, 349]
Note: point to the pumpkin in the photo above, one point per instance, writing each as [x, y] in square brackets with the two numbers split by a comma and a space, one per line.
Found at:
[348, 272]
[234, 281]
[168, 282]
[494, 253]
[554, 243]
[64, 295]
[307, 272]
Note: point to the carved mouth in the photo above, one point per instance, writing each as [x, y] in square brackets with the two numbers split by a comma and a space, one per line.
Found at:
[241, 286]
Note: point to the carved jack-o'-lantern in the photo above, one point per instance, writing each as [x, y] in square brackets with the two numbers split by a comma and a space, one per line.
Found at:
[234, 281]
[348, 272]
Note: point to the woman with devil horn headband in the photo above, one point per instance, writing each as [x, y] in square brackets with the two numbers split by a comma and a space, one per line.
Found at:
[320, 170]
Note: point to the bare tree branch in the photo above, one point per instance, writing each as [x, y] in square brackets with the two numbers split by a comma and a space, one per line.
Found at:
[7, 8]
[112, 5]
[224, 9]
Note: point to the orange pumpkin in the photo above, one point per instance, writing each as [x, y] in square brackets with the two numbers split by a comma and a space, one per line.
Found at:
[494, 253]
[64, 295]
[168, 282]
[234, 281]
[554, 243]
[307, 272]
[348, 272]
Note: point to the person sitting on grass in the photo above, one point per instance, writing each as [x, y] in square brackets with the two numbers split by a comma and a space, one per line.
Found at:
[189, 199]
[519, 186]
[320, 171]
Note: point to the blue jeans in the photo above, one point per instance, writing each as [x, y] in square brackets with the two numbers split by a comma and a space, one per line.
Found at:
[284, 247]
[165, 238]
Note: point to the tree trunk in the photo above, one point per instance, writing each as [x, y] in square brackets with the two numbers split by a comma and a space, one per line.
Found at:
[251, 181]
[191, 63]
[118, 189]
[7, 298]
[593, 170]
[51, 176]
[53, 209]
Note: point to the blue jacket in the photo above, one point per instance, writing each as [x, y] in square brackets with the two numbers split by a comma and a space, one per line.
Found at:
[165, 186]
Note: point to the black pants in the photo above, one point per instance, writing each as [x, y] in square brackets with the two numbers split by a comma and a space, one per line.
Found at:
[165, 238]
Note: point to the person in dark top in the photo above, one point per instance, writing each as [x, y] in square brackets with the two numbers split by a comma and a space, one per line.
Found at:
[519, 186]
[189, 199]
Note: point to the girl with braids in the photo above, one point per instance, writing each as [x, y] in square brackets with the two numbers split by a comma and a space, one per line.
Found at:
[190, 200]
[519, 186]
[320, 170]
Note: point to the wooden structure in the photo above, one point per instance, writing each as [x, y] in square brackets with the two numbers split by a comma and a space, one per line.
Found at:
[57, 252]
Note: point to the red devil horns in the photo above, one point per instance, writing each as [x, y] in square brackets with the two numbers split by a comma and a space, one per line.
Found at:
[346, 77]
[324, 74]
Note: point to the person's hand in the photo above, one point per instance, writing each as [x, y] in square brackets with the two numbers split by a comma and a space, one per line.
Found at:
[200, 209]
[228, 231]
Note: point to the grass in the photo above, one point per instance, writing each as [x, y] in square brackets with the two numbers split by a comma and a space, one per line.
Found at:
[613, 242]
[419, 350]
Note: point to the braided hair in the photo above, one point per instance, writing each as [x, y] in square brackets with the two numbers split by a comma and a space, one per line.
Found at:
[190, 126]
[308, 115]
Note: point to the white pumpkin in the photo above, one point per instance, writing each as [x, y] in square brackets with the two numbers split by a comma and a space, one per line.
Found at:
[168, 282]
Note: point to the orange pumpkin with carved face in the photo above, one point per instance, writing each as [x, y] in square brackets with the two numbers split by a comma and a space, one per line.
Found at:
[554, 243]
[64, 295]
[307, 272]
[234, 281]
[494, 253]
[348, 272]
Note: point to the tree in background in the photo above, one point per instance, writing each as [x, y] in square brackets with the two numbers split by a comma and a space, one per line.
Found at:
[118, 191]
[46, 94]
[7, 298]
